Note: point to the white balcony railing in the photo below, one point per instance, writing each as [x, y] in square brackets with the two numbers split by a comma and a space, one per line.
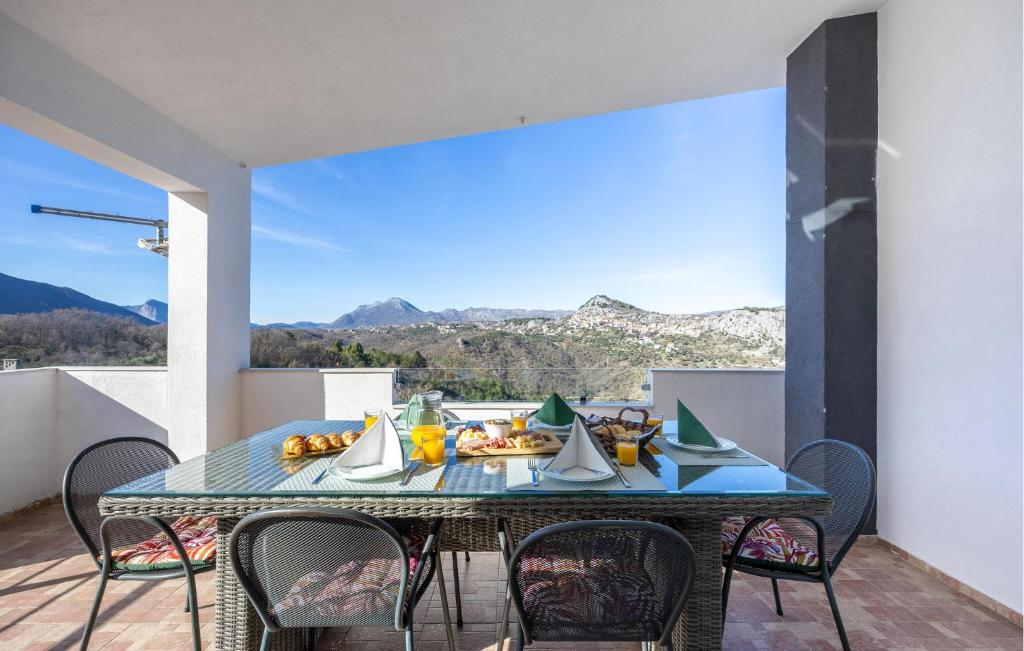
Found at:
[49, 414]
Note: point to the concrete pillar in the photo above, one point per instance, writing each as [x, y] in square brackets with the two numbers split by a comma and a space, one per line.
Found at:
[208, 314]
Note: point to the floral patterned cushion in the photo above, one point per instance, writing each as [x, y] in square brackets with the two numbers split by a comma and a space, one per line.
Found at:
[767, 545]
[198, 535]
[354, 590]
[608, 587]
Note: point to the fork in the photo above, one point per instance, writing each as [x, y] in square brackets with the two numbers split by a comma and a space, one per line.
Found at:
[532, 465]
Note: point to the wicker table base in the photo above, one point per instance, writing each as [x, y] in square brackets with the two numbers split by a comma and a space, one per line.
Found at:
[470, 526]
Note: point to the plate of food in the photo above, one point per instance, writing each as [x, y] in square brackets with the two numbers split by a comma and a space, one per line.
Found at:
[606, 428]
[297, 446]
[475, 441]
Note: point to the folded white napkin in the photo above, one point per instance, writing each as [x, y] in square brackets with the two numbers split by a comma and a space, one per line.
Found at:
[582, 456]
[378, 447]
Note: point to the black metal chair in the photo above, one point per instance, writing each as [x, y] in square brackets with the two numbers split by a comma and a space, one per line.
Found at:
[598, 580]
[323, 567]
[848, 475]
[109, 464]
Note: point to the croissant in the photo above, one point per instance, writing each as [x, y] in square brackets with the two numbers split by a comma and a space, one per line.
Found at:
[349, 437]
[295, 446]
[335, 441]
[317, 443]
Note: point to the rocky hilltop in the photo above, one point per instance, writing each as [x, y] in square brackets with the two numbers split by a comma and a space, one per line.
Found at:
[602, 332]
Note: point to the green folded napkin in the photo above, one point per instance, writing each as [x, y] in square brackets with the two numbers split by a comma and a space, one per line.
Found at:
[691, 430]
[555, 412]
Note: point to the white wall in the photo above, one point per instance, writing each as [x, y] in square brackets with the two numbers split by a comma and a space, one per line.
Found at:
[271, 396]
[48, 415]
[100, 403]
[949, 288]
[745, 405]
[28, 436]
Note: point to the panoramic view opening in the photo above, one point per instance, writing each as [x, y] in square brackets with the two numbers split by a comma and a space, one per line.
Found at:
[573, 256]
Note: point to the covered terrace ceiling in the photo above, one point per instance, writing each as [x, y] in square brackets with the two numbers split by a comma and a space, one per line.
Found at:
[267, 81]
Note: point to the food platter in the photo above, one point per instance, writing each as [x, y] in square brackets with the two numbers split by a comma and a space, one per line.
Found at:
[316, 445]
[607, 428]
[472, 441]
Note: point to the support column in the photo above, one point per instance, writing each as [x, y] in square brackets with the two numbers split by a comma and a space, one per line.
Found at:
[831, 243]
[208, 314]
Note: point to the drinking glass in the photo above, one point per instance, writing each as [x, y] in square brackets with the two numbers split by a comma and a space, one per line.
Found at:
[626, 450]
[519, 419]
[432, 441]
[371, 416]
[655, 419]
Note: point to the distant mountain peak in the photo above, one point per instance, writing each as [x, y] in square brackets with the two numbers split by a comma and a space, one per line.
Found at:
[152, 309]
[605, 303]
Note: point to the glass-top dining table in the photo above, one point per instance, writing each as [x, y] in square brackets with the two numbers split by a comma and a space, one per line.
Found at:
[470, 493]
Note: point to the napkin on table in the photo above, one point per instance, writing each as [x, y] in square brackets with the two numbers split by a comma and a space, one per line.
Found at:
[691, 430]
[555, 412]
[379, 446]
[582, 455]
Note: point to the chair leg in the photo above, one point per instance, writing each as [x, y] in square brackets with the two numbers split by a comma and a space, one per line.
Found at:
[408, 632]
[265, 642]
[835, 609]
[521, 639]
[444, 607]
[504, 623]
[778, 601]
[467, 556]
[193, 607]
[726, 581]
[458, 593]
[87, 633]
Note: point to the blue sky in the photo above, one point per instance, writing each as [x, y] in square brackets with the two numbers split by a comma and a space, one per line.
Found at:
[677, 208]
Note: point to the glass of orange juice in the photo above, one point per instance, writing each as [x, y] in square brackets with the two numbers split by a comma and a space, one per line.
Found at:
[431, 439]
[655, 419]
[519, 419]
[370, 416]
[626, 450]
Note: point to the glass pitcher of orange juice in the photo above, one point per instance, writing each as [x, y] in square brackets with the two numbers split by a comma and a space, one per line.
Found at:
[427, 427]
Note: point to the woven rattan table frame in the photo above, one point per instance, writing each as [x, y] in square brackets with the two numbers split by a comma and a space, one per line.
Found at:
[470, 526]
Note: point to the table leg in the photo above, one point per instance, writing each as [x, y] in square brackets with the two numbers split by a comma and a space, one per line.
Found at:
[700, 627]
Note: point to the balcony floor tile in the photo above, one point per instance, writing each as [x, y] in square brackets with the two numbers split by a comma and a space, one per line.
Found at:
[47, 584]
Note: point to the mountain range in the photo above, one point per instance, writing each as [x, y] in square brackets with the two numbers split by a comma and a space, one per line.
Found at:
[397, 311]
[20, 296]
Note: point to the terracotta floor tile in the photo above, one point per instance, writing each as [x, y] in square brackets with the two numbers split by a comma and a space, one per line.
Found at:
[47, 586]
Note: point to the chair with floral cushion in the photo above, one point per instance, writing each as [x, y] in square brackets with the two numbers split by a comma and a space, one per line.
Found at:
[134, 548]
[599, 580]
[322, 567]
[806, 549]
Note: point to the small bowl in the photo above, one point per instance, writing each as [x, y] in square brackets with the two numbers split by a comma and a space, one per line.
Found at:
[498, 428]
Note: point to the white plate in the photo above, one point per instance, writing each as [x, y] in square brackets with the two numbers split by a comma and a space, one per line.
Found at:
[726, 445]
[365, 473]
[577, 474]
[533, 423]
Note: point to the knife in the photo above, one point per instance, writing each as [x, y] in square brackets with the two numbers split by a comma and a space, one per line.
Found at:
[321, 476]
[410, 472]
[618, 471]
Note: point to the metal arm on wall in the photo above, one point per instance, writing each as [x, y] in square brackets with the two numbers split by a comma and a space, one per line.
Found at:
[158, 244]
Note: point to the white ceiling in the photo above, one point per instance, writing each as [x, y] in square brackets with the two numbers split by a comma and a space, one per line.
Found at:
[269, 81]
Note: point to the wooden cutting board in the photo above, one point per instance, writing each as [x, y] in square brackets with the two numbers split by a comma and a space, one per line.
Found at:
[551, 446]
